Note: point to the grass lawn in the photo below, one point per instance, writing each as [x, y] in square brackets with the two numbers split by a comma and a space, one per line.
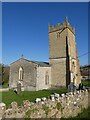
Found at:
[10, 96]
[5, 85]
[86, 82]
[85, 114]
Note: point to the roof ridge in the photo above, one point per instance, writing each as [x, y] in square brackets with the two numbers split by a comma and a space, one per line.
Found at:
[41, 63]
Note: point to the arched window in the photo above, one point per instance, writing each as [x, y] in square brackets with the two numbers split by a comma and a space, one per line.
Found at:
[58, 35]
[20, 73]
[46, 78]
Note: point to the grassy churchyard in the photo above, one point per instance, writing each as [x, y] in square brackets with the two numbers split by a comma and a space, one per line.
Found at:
[86, 83]
[10, 96]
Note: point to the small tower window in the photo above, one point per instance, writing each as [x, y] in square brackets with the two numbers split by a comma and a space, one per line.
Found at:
[73, 63]
[58, 34]
[46, 78]
[20, 73]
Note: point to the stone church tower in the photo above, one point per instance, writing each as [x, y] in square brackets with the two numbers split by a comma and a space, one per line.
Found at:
[63, 57]
[62, 69]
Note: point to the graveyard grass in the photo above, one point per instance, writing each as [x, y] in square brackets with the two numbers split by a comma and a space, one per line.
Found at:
[86, 82]
[5, 85]
[10, 96]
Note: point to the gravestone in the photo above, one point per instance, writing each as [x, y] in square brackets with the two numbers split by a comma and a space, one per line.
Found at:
[81, 86]
[71, 87]
[18, 88]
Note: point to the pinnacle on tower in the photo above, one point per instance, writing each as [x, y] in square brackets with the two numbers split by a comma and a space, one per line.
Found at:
[74, 29]
[66, 21]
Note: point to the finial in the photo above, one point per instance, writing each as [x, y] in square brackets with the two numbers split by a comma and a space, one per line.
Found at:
[67, 19]
[22, 56]
[74, 29]
[49, 28]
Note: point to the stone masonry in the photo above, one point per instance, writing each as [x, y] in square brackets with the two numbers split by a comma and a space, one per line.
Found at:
[63, 58]
[33, 75]
[29, 78]
[63, 67]
[65, 105]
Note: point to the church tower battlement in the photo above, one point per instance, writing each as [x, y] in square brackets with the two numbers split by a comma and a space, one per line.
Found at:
[63, 55]
[61, 27]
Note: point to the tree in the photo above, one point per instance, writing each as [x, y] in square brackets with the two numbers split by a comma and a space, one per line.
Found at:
[4, 73]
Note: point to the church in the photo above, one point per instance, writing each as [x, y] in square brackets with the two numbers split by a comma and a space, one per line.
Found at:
[62, 69]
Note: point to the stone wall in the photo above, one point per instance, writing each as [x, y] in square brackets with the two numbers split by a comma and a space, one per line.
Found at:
[58, 72]
[57, 44]
[74, 57]
[29, 74]
[41, 73]
[57, 49]
[62, 45]
[55, 106]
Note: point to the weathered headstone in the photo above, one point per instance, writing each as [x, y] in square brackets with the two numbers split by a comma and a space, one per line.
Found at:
[81, 86]
[71, 87]
[18, 88]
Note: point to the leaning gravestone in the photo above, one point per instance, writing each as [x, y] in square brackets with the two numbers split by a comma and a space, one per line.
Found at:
[18, 88]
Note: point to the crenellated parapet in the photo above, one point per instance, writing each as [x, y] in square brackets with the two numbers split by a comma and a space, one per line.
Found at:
[62, 26]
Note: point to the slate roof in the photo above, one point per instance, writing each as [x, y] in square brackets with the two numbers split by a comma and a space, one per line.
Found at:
[42, 64]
